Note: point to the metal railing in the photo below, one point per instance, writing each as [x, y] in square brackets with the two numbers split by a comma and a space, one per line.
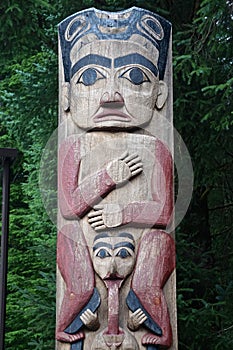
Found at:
[6, 156]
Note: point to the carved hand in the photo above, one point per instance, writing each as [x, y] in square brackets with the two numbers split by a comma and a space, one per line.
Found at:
[125, 167]
[136, 319]
[90, 320]
[103, 216]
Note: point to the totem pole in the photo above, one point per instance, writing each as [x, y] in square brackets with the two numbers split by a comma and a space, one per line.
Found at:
[116, 261]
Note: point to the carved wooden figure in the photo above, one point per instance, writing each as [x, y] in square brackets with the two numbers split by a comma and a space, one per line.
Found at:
[115, 279]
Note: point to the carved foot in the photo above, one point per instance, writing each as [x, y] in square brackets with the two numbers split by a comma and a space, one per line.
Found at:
[154, 342]
[150, 338]
[69, 338]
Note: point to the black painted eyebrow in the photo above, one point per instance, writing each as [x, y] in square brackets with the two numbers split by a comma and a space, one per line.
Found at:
[91, 59]
[101, 235]
[135, 58]
[124, 244]
[102, 244]
[126, 234]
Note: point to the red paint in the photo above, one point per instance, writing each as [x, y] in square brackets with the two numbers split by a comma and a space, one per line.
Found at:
[75, 265]
[156, 213]
[76, 199]
[113, 305]
[155, 263]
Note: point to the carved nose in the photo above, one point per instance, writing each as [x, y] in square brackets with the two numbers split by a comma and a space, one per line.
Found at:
[112, 98]
[113, 267]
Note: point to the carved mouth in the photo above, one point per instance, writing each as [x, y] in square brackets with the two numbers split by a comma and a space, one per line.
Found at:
[113, 277]
[111, 115]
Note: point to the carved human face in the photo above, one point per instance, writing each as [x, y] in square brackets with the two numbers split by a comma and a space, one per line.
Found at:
[129, 342]
[113, 257]
[114, 84]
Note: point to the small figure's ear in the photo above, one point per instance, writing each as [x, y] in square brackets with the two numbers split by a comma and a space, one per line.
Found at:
[66, 96]
[162, 94]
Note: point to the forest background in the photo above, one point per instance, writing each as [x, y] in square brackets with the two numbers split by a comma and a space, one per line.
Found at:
[203, 60]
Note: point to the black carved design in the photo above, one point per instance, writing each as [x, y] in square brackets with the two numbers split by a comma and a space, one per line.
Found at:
[105, 26]
[135, 75]
[134, 304]
[79, 345]
[135, 58]
[90, 76]
[93, 305]
[91, 59]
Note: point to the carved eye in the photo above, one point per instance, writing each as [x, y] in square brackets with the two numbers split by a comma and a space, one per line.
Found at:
[102, 253]
[123, 253]
[90, 77]
[135, 75]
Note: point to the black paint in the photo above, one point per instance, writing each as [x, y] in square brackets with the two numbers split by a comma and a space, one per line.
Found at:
[136, 76]
[101, 245]
[133, 303]
[78, 345]
[93, 305]
[91, 59]
[135, 58]
[132, 21]
[124, 244]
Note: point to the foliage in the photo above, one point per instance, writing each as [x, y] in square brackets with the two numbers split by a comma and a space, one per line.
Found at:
[203, 115]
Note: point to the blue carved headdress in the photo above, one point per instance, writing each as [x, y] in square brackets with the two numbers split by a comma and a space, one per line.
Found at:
[115, 26]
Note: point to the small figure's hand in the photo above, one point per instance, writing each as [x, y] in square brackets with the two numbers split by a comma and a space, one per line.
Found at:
[125, 167]
[103, 216]
[136, 319]
[90, 320]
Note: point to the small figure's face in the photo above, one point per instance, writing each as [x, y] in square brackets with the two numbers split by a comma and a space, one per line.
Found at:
[113, 84]
[113, 257]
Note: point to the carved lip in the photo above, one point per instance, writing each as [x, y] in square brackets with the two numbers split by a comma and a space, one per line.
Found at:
[111, 115]
[113, 276]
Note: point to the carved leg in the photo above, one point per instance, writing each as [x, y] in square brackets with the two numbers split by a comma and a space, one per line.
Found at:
[72, 253]
[155, 263]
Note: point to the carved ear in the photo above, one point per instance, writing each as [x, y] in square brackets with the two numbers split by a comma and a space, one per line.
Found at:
[162, 94]
[66, 96]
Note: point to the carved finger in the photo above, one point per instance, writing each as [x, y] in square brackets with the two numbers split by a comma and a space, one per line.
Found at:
[98, 207]
[130, 157]
[84, 319]
[89, 312]
[93, 214]
[134, 161]
[97, 223]
[142, 318]
[136, 166]
[100, 228]
[137, 312]
[124, 155]
[135, 172]
[94, 219]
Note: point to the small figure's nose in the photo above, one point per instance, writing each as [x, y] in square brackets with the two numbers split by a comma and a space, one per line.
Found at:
[115, 99]
[113, 267]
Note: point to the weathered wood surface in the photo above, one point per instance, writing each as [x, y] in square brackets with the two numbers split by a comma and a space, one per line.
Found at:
[116, 278]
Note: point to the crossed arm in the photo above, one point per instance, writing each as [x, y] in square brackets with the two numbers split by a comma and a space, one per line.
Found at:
[77, 199]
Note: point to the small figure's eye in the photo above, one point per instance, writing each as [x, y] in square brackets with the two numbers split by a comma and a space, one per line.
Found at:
[135, 75]
[90, 77]
[123, 253]
[102, 253]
